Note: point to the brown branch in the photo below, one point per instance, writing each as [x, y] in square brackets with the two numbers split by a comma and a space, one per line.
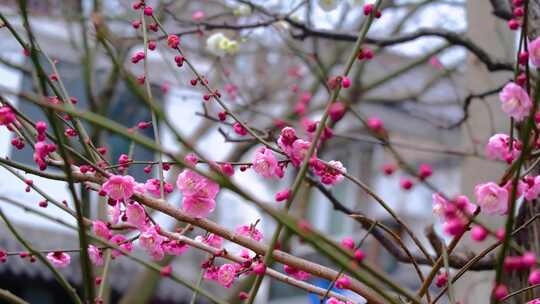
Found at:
[456, 260]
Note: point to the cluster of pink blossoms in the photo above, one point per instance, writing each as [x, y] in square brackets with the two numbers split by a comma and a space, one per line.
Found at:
[498, 148]
[119, 189]
[454, 213]
[296, 150]
[199, 193]
[491, 197]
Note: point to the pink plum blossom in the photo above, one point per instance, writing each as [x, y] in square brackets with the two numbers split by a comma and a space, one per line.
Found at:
[534, 52]
[286, 139]
[150, 240]
[114, 213]
[226, 275]
[492, 198]
[330, 173]
[191, 159]
[211, 273]
[498, 148]
[136, 215]
[121, 241]
[211, 239]
[119, 187]
[199, 193]
[173, 247]
[333, 300]
[6, 116]
[197, 15]
[153, 186]
[100, 229]
[41, 151]
[250, 231]
[265, 163]
[533, 189]
[96, 255]
[515, 101]
[298, 151]
[296, 273]
[198, 206]
[59, 259]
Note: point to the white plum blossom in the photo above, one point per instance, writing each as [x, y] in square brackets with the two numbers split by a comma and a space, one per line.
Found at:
[242, 10]
[329, 5]
[219, 45]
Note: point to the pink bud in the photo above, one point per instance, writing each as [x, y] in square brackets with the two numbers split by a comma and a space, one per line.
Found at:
[478, 233]
[513, 24]
[500, 291]
[521, 79]
[523, 57]
[197, 15]
[243, 295]
[239, 129]
[259, 269]
[359, 255]
[148, 11]
[283, 195]
[337, 111]
[368, 9]
[343, 283]
[424, 171]
[136, 24]
[528, 259]
[222, 116]
[41, 127]
[388, 169]
[227, 169]
[441, 280]
[345, 82]
[348, 243]
[406, 184]
[375, 124]
[500, 233]
[534, 277]
[166, 271]
[173, 41]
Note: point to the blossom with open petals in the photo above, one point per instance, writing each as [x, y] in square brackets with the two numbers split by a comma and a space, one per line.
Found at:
[96, 255]
[119, 187]
[59, 259]
[492, 198]
[136, 215]
[226, 275]
[150, 240]
[199, 193]
[250, 231]
[498, 148]
[266, 163]
[515, 101]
